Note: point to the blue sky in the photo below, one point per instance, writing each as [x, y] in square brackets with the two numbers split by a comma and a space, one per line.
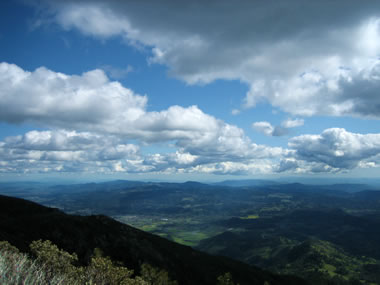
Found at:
[179, 90]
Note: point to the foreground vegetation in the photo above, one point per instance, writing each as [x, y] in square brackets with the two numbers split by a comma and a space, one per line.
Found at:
[52, 266]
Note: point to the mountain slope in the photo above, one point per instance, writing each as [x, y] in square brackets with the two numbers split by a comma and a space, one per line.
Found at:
[309, 243]
[314, 258]
[22, 221]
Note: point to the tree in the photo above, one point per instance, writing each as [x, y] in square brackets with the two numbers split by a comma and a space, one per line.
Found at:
[225, 279]
[155, 276]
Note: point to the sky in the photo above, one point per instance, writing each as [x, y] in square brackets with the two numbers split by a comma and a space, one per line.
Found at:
[189, 90]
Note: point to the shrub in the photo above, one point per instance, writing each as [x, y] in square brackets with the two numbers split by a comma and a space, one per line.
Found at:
[155, 276]
[225, 279]
[16, 269]
[54, 266]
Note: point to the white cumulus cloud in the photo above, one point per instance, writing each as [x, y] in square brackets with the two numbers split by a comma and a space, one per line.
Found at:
[289, 123]
[264, 127]
[337, 149]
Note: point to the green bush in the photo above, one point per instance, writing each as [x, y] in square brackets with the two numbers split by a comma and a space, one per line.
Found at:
[225, 279]
[55, 266]
[101, 270]
[155, 276]
[56, 261]
[16, 269]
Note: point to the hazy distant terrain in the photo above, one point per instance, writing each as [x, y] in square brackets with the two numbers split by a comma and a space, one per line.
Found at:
[315, 231]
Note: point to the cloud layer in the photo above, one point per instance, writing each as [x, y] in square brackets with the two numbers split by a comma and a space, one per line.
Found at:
[200, 142]
[91, 102]
[98, 125]
[72, 151]
[98, 122]
[60, 150]
[305, 58]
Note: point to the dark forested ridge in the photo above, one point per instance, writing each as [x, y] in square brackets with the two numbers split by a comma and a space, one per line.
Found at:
[23, 221]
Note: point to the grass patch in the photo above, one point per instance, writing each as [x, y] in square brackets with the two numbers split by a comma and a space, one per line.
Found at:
[330, 269]
[188, 238]
[250, 217]
[148, 228]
